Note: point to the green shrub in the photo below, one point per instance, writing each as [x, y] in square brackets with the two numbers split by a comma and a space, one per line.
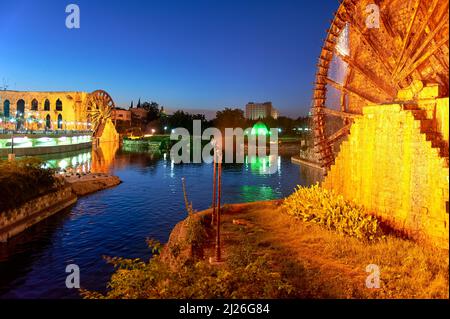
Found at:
[321, 206]
[135, 279]
[23, 180]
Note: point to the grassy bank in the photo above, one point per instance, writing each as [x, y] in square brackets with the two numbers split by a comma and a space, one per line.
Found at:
[276, 250]
[23, 180]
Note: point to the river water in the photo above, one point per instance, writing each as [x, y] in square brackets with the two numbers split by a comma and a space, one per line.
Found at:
[117, 221]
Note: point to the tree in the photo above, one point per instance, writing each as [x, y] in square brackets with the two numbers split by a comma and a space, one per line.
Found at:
[185, 120]
[153, 110]
[231, 118]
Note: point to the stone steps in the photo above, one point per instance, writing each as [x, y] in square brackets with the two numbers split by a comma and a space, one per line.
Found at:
[428, 127]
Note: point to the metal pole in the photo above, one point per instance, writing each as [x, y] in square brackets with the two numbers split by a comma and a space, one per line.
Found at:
[12, 142]
[219, 182]
[214, 188]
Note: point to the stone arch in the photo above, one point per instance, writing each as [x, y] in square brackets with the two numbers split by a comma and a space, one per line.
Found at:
[20, 108]
[48, 121]
[59, 105]
[34, 105]
[60, 121]
[6, 108]
[47, 105]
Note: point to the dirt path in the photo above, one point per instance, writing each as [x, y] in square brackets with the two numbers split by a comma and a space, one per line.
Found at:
[320, 263]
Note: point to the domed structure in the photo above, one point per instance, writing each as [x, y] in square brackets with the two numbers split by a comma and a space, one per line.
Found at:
[260, 129]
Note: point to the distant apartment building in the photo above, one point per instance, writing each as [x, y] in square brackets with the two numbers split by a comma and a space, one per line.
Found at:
[255, 111]
[138, 113]
[119, 114]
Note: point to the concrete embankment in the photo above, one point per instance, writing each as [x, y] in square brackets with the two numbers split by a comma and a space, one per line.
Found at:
[91, 183]
[15, 221]
[43, 150]
[302, 161]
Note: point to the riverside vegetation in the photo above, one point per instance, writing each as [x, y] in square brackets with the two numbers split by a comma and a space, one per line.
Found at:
[23, 180]
[313, 244]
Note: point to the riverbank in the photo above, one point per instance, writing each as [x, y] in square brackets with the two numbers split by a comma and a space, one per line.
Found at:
[91, 183]
[43, 144]
[302, 161]
[267, 253]
[14, 221]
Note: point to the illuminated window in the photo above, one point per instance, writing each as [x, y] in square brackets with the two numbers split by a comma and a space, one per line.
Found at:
[47, 105]
[6, 108]
[60, 121]
[34, 105]
[59, 105]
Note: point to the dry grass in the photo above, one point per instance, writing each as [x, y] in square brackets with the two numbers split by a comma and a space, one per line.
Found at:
[323, 264]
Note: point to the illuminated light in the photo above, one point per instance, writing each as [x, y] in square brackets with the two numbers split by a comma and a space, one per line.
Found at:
[173, 131]
[62, 164]
[20, 140]
[74, 161]
[44, 139]
[259, 129]
[279, 130]
[165, 128]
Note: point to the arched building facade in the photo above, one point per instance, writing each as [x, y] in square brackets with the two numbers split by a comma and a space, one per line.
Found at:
[44, 110]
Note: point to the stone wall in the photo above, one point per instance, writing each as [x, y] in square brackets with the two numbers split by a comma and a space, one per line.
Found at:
[14, 221]
[44, 150]
[72, 113]
[389, 165]
[109, 133]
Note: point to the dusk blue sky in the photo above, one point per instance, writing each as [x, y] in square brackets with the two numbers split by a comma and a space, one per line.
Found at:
[181, 54]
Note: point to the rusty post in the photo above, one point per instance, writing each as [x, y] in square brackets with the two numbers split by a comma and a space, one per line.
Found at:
[214, 189]
[219, 186]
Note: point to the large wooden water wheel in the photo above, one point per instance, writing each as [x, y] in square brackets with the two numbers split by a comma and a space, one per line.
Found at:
[99, 106]
[368, 57]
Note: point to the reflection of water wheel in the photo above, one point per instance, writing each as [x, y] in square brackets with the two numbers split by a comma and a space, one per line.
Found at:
[99, 108]
[363, 64]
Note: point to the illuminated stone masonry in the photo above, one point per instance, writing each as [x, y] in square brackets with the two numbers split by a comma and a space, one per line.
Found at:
[44, 110]
[395, 163]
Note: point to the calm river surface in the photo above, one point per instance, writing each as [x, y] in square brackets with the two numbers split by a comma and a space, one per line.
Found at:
[117, 221]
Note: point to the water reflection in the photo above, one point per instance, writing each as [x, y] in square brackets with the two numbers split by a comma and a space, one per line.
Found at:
[117, 221]
[103, 157]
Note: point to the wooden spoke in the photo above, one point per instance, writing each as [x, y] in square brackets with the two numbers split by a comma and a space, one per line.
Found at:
[423, 58]
[368, 66]
[351, 91]
[340, 114]
[340, 133]
[370, 76]
[407, 51]
[408, 34]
